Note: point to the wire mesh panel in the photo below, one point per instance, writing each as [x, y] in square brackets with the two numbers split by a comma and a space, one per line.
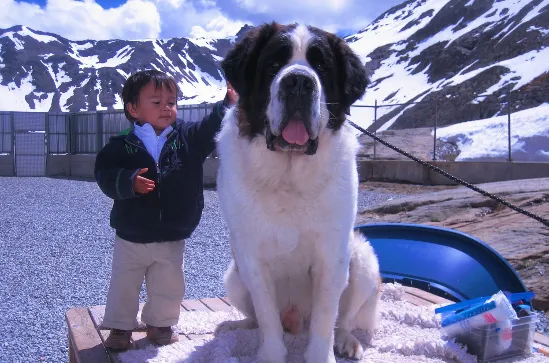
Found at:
[85, 133]
[29, 121]
[58, 133]
[30, 143]
[113, 124]
[194, 113]
[30, 153]
[6, 135]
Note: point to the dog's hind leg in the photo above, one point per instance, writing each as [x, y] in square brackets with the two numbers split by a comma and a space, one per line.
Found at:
[359, 304]
[239, 297]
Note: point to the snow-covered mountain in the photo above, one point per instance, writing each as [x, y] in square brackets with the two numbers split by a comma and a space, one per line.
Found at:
[422, 50]
[451, 51]
[45, 72]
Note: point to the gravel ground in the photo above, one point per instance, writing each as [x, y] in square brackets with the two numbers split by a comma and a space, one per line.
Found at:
[55, 253]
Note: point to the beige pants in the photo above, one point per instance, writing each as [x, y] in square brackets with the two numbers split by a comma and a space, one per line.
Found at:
[161, 264]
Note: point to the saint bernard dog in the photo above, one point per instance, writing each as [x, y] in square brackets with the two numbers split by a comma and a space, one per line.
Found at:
[288, 186]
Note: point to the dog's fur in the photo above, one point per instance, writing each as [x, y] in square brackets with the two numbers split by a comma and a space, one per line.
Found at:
[297, 264]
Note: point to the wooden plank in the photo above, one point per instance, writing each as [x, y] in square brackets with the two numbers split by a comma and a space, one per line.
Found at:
[541, 339]
[86, 340]
[435, 299]
[194, 305]
[226, 300]
[215, 304]
[97, 312]
[418, 301]
[72, 355]
[86, 343]
[200, 336]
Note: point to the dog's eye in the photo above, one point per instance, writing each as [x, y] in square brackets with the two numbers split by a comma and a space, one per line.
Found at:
[274, 65]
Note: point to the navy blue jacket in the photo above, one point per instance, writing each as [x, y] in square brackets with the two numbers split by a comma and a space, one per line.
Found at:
[173, 209]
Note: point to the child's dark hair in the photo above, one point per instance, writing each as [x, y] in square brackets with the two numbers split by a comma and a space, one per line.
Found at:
[135, 83]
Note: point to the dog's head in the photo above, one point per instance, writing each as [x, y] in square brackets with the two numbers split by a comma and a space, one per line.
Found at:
[293, 82]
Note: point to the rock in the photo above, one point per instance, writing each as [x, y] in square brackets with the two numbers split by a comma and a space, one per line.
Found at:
[523, 241]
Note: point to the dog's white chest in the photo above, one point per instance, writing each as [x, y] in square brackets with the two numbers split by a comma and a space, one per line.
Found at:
[285, 240]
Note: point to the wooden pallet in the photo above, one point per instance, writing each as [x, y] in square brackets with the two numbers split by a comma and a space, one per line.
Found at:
[86, 340]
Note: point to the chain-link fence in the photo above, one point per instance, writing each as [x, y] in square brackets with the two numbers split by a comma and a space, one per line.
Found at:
[436, 128]
[75, 133]
[486, 129]
[28, 138]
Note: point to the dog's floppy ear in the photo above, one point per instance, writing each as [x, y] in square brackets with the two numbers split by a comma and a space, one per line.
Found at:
[353, 77]
[240, 63]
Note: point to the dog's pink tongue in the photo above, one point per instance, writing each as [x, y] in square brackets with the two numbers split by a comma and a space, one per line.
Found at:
[295, 132]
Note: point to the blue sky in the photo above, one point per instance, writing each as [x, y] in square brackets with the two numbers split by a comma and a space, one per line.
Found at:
[146, 19]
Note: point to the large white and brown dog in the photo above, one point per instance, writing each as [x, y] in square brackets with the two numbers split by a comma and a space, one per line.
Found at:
[288, 187]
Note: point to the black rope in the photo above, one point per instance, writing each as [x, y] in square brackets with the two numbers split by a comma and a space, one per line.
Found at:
[451, 177]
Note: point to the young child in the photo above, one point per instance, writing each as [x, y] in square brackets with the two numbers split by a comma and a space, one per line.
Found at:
[154, 175]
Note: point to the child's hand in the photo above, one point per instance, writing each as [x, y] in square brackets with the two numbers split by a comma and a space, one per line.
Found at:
[231, 94]
[142, 185]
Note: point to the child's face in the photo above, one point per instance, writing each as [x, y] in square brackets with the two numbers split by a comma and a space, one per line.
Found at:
[157, 106]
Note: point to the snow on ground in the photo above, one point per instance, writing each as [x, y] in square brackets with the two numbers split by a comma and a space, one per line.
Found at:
[487, 140]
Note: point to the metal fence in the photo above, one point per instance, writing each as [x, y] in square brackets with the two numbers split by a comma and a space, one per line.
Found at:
[30, 136]
[504, 129]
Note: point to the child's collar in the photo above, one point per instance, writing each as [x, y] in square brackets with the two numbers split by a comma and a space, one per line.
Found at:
[147, 128]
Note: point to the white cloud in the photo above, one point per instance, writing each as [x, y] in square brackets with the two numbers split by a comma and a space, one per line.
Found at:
[77, 20]
[145, 19]
[201, 18]
[331, 15]
[217, 28]
[135, 19]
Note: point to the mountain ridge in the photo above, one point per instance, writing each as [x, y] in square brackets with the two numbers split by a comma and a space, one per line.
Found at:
[449, 60]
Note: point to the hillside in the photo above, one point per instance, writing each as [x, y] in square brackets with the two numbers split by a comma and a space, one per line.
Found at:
[445, 53]
[441, 53]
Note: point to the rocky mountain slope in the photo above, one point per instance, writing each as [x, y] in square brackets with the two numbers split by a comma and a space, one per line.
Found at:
[46, 72]
[443, 54]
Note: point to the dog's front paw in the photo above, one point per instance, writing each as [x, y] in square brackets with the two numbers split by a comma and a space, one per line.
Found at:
[346, 345]
[236, 324]
[272, 351]
[319, 350]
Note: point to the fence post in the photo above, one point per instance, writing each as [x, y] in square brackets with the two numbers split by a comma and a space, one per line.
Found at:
[99, 138]
[74, 131]
[509, 124]
[375, 128]
[68, 137]
[46, 141]
[13, 135]
[47, 133]
[435, 130]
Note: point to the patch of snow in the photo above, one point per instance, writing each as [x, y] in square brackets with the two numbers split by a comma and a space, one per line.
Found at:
[544, 32]
[487, 140]
[64, 98]
[203, 42]
[121, 57]
[13, 97]
[39, 37]
[84, 46]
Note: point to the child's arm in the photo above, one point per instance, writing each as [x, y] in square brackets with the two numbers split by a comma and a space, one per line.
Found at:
[116, 182]
[203, 132]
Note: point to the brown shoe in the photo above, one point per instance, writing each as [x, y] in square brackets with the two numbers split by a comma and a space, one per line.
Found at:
[119, 339]
[162, 335]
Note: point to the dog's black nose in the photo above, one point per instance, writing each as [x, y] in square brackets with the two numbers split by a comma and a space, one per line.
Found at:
[296, 84]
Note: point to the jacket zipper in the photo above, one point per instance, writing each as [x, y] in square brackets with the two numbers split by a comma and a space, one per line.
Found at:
[158, 187]
[157, 171]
